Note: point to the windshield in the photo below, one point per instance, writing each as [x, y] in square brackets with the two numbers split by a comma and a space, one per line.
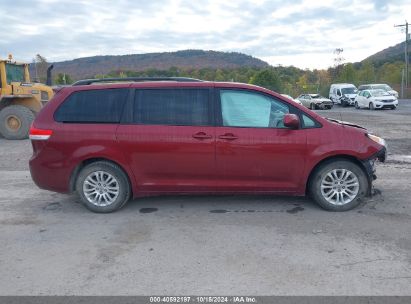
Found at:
[378, 93]
[15, 73]
[349, 91]
[384, 87]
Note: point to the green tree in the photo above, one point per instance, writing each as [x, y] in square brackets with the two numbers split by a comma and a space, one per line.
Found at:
[63, 78]
[324, 81]
[390, 73]
[347, 74]
[219, 75]
[303, 83]
[367, 72]
[267, 78]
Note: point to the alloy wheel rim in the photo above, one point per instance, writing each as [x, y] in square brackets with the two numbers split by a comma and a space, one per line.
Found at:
[340, 187]
[101, 188]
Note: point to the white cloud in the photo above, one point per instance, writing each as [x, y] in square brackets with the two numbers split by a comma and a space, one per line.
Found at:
[302, 33]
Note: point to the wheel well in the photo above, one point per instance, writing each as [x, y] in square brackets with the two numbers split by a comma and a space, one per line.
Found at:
[336, 158]
[79, 167]
[4, 102]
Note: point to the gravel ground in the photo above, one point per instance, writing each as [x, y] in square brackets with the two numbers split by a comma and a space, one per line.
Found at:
[233, 245]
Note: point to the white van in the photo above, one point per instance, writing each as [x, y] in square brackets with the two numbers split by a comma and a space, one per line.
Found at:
[343, 93]
[379, 86]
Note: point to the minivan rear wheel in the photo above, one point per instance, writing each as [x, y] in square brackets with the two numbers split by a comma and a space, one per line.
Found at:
[103, 187]
[339, 185]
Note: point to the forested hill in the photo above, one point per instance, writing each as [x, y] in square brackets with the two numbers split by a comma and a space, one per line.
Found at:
[388, 55]
[195, 59]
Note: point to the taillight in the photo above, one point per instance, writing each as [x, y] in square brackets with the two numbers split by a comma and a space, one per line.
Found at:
[39, 134]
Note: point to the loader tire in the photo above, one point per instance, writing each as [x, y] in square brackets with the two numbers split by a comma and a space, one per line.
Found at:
[15, 122]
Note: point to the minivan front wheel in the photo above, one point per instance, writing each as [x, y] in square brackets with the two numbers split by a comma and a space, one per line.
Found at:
[103, 187]
[339, 185]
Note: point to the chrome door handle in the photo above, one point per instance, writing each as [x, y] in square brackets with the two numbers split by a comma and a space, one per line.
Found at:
[202, 135]
[228, 136]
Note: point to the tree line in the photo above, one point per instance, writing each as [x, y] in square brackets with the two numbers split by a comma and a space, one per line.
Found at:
[289, 80]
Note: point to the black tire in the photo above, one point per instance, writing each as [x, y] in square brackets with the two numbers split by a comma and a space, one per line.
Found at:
[321, 173]
[371, 106]
[121, 180]
[356, 105]
[312, 106]
[15, 122]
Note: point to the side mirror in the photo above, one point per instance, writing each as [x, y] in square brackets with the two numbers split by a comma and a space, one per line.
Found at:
[291, 121]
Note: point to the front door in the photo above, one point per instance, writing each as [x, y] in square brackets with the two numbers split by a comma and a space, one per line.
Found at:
[254, 151]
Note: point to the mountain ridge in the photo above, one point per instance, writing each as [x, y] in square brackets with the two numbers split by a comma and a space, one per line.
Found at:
[389, 54]
[87, 67]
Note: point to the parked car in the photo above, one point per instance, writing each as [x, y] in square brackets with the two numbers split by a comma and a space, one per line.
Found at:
[315, 101]
[289, 97]
[110, 142]
[378, 86]
[343, 93]
[375, 99]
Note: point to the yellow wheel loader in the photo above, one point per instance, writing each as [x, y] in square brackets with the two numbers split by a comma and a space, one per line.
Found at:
[20, 99]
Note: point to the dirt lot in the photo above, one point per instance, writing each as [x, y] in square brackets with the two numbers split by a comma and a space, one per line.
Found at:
[51, 245]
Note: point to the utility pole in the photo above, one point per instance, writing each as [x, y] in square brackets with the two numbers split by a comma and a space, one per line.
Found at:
[406, 79]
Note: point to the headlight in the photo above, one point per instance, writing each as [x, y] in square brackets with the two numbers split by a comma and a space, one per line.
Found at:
[377, 139]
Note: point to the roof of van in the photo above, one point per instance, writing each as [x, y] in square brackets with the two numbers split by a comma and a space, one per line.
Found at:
[373, 84]
[342, 85]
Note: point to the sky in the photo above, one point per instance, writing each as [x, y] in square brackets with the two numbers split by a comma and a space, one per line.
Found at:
[302, 33]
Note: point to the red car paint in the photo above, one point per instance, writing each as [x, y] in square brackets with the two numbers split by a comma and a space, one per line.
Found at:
[192, 159]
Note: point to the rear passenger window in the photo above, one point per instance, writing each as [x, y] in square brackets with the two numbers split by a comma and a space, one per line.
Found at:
[93, 106]
[174, 107]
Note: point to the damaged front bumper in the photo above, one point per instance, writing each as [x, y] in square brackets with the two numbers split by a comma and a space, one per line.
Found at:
[369, 165]
[324, 105]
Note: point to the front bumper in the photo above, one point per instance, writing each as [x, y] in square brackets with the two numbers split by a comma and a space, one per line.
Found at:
[381, 155]
[369, 166]
[324, 105]
[383, 105]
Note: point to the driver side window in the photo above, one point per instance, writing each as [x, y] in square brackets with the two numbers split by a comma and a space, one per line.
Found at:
[250, 109]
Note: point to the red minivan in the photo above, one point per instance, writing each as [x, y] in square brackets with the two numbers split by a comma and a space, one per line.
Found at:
[115, 139]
